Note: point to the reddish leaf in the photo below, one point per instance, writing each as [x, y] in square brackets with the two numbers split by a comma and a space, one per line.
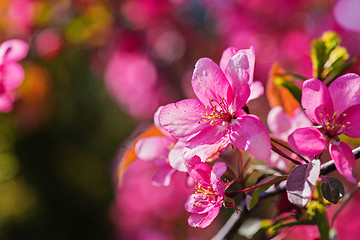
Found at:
[301, 182]
[280, 96]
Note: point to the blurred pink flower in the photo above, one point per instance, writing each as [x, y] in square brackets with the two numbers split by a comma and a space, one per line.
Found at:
[346, 13]
[142, 211]
[217, 116]
[11, 73]
[164, 151]
[48, 43]
[337, 110]
[21, 15]
[132, 80]
[206, 202]
[281, 126]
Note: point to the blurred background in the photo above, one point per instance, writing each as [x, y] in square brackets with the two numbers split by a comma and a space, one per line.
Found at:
[96, 71]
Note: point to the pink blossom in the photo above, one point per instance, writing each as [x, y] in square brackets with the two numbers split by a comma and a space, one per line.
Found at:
[164, 151]
[337, 110]
[281, 125]
[206, 202]
[132, 77]
[11, 73]
[217, 117]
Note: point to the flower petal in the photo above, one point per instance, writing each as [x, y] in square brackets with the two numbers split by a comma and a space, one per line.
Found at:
[198, 170]
[153, 149]
[240, 72]
[183, 118]
[217, 184]
[14, 50]
[256, 90]
[196, 204]
[13, 75]
[227, 54]
[176, 159]
[352, 121]
[208, 144]
[300, 119]
[346, 91]
[219, 169]
[209, 82]
[315, 97]
[307, 141]
[279, 122]
[248, 133]
[6, 102]
[158, 124]
[163, 176]
[204, 220]
[344, 159]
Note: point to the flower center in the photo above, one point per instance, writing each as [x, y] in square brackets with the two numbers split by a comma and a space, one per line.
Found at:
[207, 193]
[333, 123]
[220, 112]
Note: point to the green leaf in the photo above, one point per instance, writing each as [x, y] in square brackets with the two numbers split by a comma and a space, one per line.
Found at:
[253, 199]
[331, 40]
[328, 57]
[339, 70]
[318, 57]
[332, 189]
[292, 87]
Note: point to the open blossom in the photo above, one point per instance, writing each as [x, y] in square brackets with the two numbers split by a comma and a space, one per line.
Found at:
[206, 202]
[11, 73]
[217, 118]
[337, 110]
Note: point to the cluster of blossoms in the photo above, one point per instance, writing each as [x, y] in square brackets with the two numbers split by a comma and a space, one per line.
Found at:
[197, 132]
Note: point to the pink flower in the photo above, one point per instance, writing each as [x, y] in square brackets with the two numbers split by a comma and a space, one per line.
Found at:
[218, 117]
[281, 125]
[132, 77]
[346, 14]
[11, 73]
[206, 202]
[337, 110]
[163, 151]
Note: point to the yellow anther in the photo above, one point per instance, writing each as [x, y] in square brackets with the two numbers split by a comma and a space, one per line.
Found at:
[212, 123]
[348, 123]
[211, 100]
[321, 115]
[344, 114]
[343, 126]
[328, 128]
[207, 107]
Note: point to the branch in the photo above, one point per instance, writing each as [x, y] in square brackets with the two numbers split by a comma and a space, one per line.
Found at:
[234, 222]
